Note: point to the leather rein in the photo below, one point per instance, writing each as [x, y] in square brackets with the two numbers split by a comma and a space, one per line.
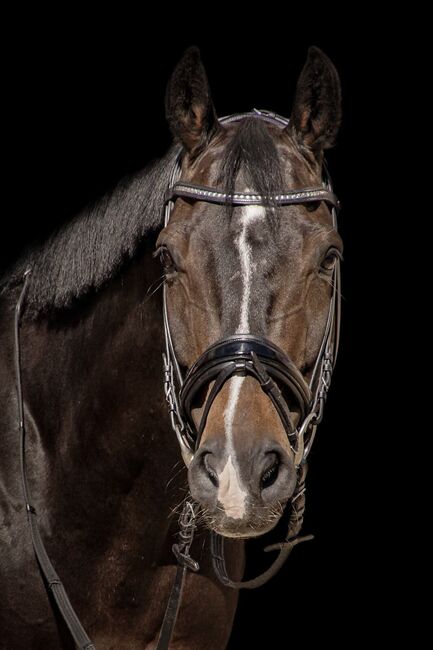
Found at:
[240, 354]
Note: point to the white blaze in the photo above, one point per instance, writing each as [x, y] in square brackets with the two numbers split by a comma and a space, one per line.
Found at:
[249, 214]
[231, 492]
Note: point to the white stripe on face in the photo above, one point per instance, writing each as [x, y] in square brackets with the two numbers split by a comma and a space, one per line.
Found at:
[249, 214]
[231, 491]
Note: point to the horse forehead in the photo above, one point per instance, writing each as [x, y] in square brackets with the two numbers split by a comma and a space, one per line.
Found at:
[296, 170]
[260, 229]
[207, 167]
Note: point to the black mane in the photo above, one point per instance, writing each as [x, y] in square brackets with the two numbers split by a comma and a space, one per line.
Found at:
[91, 248]
[253, 150]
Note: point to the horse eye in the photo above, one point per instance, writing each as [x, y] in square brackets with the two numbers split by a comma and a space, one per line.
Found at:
[312, 206]
[166, 258]
[328, 262]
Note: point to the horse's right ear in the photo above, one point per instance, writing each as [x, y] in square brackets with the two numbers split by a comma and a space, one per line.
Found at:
[188, 105]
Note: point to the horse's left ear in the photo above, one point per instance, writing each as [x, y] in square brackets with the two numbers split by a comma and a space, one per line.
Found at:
[188, 104]
[316, 113]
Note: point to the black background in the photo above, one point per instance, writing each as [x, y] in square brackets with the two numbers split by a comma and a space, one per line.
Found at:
[85, 105]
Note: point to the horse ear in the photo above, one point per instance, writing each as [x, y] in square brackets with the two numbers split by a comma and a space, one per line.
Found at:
[188, 105]
[316, 113]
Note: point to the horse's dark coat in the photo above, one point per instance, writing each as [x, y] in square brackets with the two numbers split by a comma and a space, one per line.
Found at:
[99, 473]
[91, 353]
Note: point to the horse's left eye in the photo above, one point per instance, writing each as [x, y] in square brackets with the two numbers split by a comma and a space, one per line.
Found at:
[328, 262]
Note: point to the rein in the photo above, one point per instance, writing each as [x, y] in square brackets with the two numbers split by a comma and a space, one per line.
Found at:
[49, 575]
[241, 354]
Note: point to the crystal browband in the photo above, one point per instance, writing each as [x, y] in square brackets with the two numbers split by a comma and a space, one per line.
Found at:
[211, 195]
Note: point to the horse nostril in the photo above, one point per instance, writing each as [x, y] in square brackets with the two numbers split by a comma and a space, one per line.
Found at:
[270, 474]
[210, 472]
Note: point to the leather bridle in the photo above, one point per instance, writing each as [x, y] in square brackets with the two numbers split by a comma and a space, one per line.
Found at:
[246, 354]
[243, 354]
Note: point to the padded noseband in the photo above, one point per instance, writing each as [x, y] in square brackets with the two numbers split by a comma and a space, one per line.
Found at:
[242, 355]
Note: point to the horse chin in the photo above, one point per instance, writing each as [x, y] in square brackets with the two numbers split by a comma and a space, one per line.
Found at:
[239, 534]
[242, 529]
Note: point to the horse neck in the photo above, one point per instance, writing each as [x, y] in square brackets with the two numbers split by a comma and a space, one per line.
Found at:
[92, 384]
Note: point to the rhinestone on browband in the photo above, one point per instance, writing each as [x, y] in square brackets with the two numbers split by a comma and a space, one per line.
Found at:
[237, 198]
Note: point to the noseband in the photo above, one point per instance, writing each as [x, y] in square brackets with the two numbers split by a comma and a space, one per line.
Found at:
[246, 354]
[243, 355]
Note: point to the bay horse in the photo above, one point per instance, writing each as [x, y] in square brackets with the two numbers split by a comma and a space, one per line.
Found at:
[240, 217]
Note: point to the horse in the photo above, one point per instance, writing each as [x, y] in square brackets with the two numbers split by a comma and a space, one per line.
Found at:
[224, 256]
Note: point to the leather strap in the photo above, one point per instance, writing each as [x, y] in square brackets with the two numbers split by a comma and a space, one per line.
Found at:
[217, 550]
[187, 526]
[214, 195]
[49, 575]
[262, 114]
[224, 374]
[172, 609]
[248, 355]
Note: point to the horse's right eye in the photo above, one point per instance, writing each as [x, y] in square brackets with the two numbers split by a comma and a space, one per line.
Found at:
[166, 259]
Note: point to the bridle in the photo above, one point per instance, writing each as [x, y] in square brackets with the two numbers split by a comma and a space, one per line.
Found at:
[246, 354]
[240, 354]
